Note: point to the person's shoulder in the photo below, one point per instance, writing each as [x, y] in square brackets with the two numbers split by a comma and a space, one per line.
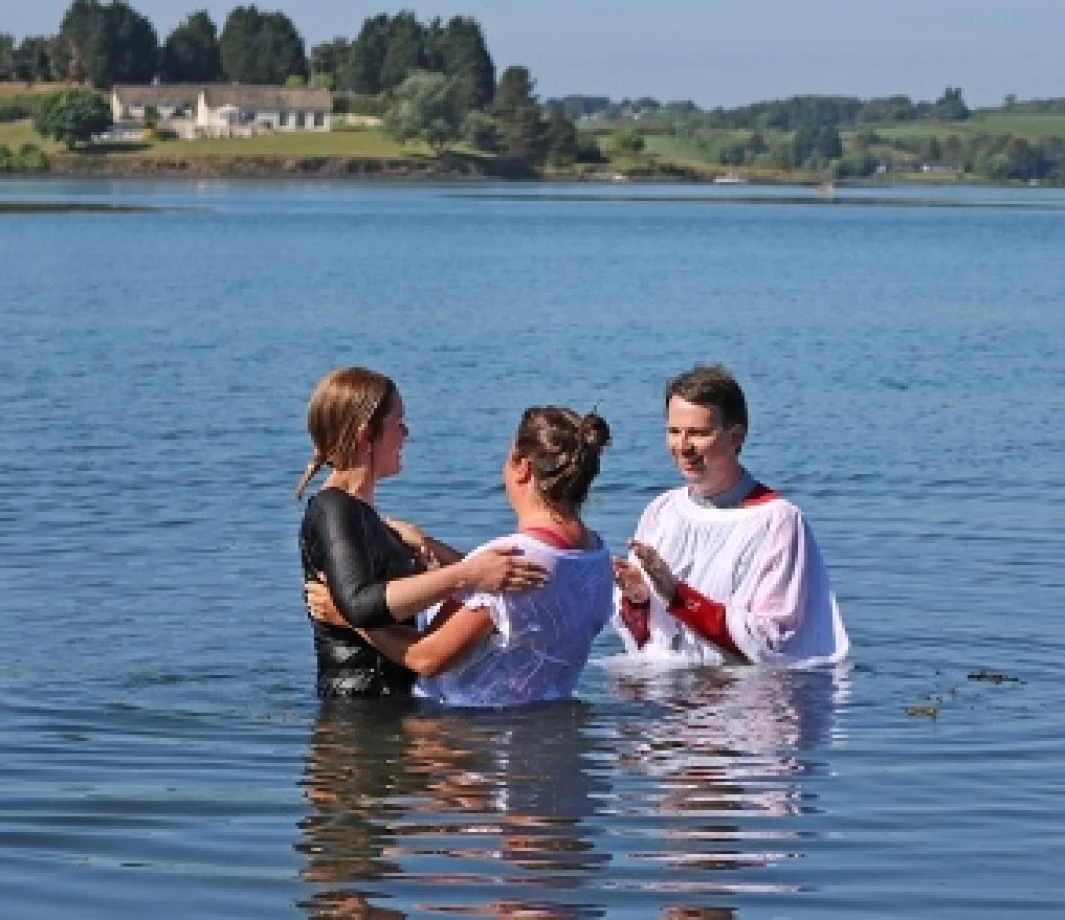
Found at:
[507, 540]
[780, 512]
[331, 504]
[661, 504]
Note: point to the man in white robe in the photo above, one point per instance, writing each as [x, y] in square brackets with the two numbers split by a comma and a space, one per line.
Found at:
[723, 569]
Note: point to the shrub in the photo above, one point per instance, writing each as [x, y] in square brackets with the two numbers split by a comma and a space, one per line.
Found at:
[588, 149]
[14, 112]
[32, 159]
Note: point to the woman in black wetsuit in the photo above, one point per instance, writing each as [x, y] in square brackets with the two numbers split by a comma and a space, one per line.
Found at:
[378, 574]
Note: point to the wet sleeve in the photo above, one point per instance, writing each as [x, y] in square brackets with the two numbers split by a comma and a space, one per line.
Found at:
[346, 536]
[704, 615]
[765, 625]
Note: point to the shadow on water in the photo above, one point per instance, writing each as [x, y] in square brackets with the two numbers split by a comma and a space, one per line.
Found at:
[673, 801]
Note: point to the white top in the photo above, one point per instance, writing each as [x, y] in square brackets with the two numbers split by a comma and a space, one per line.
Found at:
[542, 638]
[762, 562]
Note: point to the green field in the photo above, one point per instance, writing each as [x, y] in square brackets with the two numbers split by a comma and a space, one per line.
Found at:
[367, 142]
[1026, 125]
[13, 134]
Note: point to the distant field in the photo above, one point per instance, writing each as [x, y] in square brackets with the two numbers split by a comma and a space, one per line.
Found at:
[22, 89]
[1026, 125]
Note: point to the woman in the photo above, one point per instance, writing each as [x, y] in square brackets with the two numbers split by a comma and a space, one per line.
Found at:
[490, 649]
[355, 420]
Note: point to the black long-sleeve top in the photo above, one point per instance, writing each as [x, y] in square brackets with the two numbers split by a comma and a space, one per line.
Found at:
[345, 539]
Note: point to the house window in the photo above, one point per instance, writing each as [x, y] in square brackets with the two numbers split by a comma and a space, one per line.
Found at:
[319, 119]
[301, 119]
[282, 119]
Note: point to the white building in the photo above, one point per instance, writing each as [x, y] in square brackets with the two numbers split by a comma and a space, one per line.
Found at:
[221, 110]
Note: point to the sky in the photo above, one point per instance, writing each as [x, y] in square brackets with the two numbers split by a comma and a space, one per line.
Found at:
[715, 52]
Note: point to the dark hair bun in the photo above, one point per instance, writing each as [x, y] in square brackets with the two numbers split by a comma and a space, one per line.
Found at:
[593, 431]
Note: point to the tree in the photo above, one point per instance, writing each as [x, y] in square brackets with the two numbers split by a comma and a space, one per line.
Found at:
[405, 52]
[481, 132]
[362, 71]
[524, 136]
[426, 107]
[108, 44]
[191, 53]
[515, 92]
[73, 116]
[261, 47]
[463, 53]
[7, 55]
[950, 106]
[327, 61]
[33, 59]
[628, 140]
[561, 139]
[815, 144]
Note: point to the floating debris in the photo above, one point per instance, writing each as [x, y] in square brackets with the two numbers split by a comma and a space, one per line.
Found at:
[929, 712]
[993, 677]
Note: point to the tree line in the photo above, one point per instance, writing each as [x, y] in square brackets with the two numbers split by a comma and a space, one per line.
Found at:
[107, 43]
[772, 115]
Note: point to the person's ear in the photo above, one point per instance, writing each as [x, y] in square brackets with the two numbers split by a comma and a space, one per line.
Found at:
[522, 467]
[737, 435]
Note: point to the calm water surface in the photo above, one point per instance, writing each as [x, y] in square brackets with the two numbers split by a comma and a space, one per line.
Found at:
[161, 749]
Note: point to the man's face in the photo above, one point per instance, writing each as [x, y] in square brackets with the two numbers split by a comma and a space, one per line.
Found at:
[704, 450]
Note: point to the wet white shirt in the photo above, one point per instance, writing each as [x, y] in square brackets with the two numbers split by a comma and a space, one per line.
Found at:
[542, 639]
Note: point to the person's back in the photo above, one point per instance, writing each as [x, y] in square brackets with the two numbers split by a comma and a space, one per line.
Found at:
[542, 640]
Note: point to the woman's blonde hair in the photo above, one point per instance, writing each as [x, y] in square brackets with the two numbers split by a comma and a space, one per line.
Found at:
[344, 400]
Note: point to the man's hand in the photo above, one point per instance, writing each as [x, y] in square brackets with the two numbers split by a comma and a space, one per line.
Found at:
[629, 580]
[658, 572]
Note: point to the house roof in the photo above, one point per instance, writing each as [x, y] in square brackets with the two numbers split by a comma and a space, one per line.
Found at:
[267, 97]
[183, 93]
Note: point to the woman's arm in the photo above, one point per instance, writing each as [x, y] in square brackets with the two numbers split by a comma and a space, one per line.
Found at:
[459, 631]
[494, 569]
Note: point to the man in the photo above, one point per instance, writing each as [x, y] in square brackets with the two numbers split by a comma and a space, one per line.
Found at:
[723, 569]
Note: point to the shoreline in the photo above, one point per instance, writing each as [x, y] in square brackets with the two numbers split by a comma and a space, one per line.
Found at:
[456, 168]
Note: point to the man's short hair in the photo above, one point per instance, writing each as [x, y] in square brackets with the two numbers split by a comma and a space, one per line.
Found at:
[711, 386]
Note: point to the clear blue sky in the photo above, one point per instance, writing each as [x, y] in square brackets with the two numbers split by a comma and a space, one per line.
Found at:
[717, 52]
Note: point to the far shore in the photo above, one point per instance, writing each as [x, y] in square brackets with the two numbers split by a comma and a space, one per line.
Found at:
[452, 167]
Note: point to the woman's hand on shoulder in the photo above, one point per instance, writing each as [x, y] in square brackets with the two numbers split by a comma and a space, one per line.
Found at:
[503, 568]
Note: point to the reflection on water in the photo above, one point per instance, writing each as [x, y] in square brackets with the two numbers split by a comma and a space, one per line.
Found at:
[680, 794]
[449, 802]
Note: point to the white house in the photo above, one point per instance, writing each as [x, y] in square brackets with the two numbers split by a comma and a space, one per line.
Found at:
[243, 110]
[221, 110]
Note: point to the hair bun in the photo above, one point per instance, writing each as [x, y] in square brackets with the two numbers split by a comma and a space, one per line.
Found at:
[593, 431]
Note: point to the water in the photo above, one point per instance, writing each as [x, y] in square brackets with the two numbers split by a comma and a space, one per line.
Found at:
[161, 749]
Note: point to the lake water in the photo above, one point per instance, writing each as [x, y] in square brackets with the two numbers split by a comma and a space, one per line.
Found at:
[161, 749]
